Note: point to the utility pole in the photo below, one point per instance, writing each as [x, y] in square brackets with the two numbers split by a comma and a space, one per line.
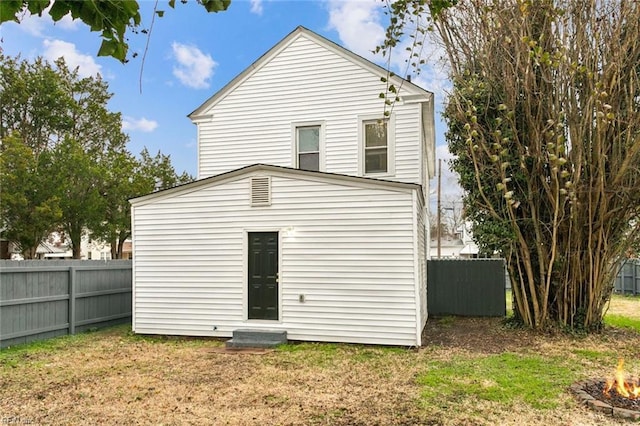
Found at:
[438, 226]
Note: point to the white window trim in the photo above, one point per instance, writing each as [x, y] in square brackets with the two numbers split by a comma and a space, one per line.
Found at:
[321, 144]
[206, 118]
[245, 276]
[391, 145]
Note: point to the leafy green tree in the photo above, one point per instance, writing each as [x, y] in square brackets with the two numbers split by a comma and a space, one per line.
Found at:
[118, 185]
[544, 117]
[29, 204]
[78, 179]
[55, 112]
[126, 177]
[94, 126]
[157, 173]
[33, 102]
[112, 18]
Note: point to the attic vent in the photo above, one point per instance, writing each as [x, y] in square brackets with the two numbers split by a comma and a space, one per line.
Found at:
[261, 191]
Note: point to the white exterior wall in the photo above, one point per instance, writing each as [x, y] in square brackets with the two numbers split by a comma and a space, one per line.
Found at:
[305, 83]
[422, 234]
[351, 254]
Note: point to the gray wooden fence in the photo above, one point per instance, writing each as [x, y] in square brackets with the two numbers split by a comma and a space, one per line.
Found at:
[466, 287]
[49, 298]
[628, 279]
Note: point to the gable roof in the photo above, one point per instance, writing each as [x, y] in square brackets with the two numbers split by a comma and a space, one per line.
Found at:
[411, 89]
[278, 171]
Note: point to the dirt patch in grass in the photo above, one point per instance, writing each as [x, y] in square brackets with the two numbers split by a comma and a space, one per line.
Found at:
[481, 335]
[114, 377]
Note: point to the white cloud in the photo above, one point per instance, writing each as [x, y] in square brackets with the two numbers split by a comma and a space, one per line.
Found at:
[140, 124]
[256, 7]
[32, 25]
[358, 24]
[360, 28]
[68, 23]
[87, 66]
[434, 78]
[35, 25]
[193, 68]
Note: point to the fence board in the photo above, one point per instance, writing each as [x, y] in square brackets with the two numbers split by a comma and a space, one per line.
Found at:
[466, 287]
[628, 278]
[44, 299]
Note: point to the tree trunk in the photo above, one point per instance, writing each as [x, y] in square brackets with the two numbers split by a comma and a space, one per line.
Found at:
[75, 235]
[114, 250]
[30, 253]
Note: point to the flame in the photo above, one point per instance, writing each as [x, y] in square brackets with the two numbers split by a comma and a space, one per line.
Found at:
[627, 388]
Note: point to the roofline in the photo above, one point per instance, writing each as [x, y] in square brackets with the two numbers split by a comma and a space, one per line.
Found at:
[358, 180]
[257, 64]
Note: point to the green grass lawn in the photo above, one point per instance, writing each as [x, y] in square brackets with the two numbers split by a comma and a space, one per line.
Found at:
[504, 378]
[620, 321]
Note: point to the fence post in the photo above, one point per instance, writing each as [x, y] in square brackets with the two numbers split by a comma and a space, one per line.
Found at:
[72, 300]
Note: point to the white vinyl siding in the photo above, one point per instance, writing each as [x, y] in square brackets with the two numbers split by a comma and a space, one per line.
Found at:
[347, 248]
[423, 249]
[304, 82]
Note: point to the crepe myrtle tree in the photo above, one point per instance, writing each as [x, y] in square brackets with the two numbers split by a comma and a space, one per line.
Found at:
[544, 118]
[112, 18]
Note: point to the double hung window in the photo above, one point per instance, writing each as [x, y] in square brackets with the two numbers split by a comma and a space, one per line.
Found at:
[308, 147]
[376, 146]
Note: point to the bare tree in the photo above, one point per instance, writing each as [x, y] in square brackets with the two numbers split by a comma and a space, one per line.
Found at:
[452, 214]
[545, 120]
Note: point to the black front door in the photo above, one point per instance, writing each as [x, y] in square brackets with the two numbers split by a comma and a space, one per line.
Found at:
[263, 275]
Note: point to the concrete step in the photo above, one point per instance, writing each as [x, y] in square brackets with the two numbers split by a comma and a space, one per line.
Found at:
[255, 338]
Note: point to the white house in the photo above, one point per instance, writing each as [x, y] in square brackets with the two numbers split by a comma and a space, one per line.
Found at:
[458, 246]
[309, 214]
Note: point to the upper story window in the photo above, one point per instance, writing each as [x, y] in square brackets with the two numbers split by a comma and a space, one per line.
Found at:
[376, 146]
[308, 146]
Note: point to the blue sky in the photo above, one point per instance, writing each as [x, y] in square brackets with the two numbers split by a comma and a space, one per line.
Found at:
[192, 54]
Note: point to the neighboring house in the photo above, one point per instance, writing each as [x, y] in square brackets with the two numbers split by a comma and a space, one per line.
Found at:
[92, 249]
[51, 251]
[45, 250]
[309, 214]
[459, 246]
[470, 250]
[8, 249]
[57, 248]
[450, 248]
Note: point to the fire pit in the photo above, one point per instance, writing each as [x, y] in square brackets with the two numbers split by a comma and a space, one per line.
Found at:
[619, 397]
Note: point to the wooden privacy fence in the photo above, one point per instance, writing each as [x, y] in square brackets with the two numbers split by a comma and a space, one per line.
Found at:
[628, 279]
[44, 299]
[466, 287]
